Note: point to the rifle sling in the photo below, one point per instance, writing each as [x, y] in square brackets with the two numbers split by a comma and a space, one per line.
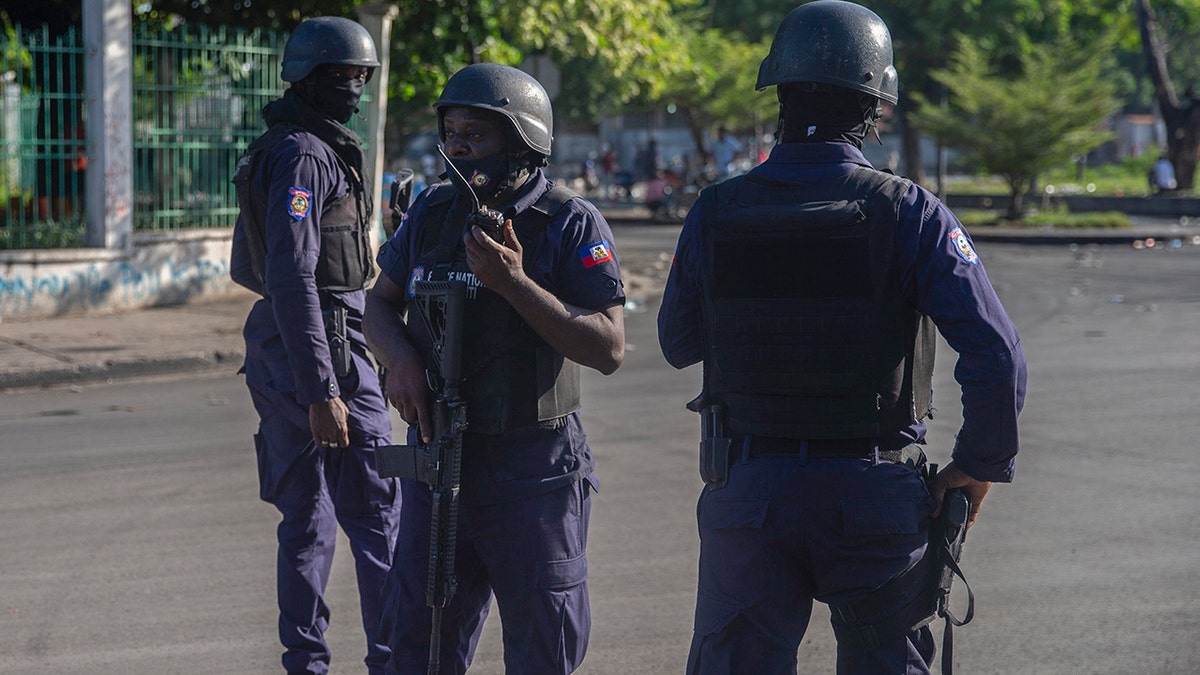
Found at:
[919, 585]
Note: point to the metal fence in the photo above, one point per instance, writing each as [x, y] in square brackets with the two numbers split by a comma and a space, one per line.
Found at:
[197, 100]
[43, 158]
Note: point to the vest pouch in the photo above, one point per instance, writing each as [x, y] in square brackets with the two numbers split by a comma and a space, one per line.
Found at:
[557, 385]
[341, 264]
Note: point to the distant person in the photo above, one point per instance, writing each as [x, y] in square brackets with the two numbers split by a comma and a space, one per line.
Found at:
[429, 170]
[647, 161]
[301, 243]
[608, 170]
[725, 150]
[1162, 176]
[658, 195]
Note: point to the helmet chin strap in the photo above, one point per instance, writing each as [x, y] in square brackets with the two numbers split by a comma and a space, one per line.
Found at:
[872, 120]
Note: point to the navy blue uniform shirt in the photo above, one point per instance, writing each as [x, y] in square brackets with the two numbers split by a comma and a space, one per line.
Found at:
[285, 329]
[517, 464]
[938, 271]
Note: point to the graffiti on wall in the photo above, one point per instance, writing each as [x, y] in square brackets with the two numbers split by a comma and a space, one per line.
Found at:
[111, 285]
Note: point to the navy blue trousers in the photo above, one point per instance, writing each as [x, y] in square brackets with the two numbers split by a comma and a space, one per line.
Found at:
[786, 531]
[529, 553]
[316, 489]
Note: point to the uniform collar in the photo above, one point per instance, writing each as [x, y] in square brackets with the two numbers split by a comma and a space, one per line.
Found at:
[817, 153]
[526, 195]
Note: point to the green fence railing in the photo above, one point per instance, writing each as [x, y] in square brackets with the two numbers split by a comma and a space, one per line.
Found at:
[197, 99]
[196, 104]
[43, 160]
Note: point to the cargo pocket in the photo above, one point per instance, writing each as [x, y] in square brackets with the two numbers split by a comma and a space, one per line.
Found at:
[560, 575]
[730, 542]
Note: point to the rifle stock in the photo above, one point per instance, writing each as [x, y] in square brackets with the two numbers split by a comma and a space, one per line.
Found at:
[438, 464]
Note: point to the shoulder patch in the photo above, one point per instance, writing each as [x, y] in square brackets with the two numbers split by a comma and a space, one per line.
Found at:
[962, 246]
[595, 253]
[299, 202]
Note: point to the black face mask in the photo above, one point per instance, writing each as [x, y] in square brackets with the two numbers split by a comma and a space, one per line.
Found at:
[336, 96]
[823, 116]
[486, 177]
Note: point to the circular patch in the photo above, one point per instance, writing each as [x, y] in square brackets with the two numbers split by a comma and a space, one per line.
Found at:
[962, 246]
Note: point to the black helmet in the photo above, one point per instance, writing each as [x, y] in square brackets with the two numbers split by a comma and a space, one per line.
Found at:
[505, 90]
[327, 39]
[832, 42]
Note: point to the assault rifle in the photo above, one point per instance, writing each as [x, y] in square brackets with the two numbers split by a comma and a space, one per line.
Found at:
[438, 463]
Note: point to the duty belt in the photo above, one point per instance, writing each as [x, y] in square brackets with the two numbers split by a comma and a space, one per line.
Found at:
[754, 446]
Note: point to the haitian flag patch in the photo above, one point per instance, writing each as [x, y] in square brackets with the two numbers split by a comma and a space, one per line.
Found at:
[595, 253]
[299, 201]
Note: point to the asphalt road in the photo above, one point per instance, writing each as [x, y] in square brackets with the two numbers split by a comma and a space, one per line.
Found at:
[132, 540]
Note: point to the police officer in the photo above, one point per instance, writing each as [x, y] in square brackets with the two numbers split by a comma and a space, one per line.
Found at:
[806, 288]
[301, 242]
[544, 296]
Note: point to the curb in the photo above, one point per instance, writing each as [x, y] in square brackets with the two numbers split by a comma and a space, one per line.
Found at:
[1013, 236]
[83, 373]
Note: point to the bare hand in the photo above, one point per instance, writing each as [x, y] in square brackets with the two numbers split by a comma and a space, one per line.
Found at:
[497, 265]
[953, 477]
[408, 391]
[328, 422]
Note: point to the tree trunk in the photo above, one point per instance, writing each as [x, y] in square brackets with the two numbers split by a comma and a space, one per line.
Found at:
[911, 143]
[1182, 118]
[696, 129]
[1016, 202]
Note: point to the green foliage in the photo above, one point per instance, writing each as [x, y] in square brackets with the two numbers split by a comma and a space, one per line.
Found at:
[273, 14]
[44, 234]
[1055, 219]
[717, 86]
[14, 57]
[1019, 126]
[1108, 220]
[609, 51]
[750, 21]
[1126, 178]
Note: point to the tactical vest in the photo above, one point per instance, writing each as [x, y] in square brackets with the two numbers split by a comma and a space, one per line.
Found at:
[344, 263]
[807, 334]
[512, 379]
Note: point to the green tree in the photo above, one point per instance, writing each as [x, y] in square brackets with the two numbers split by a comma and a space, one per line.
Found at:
[716, 86]
[611, 51]
[1181, 114]
[1017, 126]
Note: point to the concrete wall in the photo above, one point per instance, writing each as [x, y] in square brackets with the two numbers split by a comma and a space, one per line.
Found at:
[161, 269]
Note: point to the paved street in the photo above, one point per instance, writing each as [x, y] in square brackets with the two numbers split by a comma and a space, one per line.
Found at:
[132, 540]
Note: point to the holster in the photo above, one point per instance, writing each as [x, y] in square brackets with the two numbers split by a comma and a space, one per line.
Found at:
[918, 595]
[714, 444]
